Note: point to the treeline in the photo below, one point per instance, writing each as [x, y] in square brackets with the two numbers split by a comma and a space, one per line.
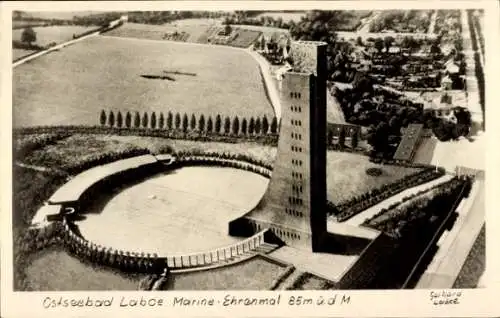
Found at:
[205, 125]
[162, 17]
[355, 205]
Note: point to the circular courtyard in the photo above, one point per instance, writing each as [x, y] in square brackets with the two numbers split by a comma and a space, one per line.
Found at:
[182, 211]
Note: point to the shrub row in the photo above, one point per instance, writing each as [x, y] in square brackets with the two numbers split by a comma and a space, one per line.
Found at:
[421, 210]
[96, 254]
[27, 144]
[226, 156]
[368, 199]
[103, 158]
[281, 278]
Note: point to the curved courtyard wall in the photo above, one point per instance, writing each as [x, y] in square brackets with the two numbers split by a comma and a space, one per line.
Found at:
[82, 248]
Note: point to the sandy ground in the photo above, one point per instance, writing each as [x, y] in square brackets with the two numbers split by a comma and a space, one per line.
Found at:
[185, 211]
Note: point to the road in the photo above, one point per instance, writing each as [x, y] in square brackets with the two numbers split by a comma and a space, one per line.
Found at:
[433, 22]
[455, 245]
[370, 212]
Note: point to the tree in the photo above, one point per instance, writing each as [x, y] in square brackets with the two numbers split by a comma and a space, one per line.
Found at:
[274, 125]
[359, 41]
[388, 40]
[236, 126]
[111, 119]
[137, 120]
[251, 126]
[244, 126]
[342, 138]
[227, 29]
[354, 140]
[161, 123]
[153, 120]
[170, 120]
[379, 44]
[28, 36]
[128, 120]
[435, 49]
[185, 123]
[119, 120]
[145, 120]
[265, 126]
[192, 124]
[218, 124]
[258, 126]
[201, 123]
[210, 125]
[177, 121]
[102, 118]
[227, 125]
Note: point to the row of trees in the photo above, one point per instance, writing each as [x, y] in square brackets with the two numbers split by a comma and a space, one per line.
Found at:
[234, 126]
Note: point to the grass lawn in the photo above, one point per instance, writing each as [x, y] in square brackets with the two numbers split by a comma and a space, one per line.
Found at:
[254, 274]
[474, 265]
[47, 92]
[346, 175]
[313, 283]
[18, 53]
[78, 147]
[57, 34]
[55, 270]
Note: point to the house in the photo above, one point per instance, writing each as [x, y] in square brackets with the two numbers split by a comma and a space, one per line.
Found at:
[451, 68]
[446, 83]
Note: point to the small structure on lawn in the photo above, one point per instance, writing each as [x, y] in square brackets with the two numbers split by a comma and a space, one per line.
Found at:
[409, 143]
[446, 83]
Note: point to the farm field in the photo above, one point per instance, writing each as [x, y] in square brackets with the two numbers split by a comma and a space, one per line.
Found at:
[46, 91]
[157, 32]
[49, 34]
[346, 175]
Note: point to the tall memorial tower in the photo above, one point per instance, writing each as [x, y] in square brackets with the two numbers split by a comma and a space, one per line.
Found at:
[294, 205]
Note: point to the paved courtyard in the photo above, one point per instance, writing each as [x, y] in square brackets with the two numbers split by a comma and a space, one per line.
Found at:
[180, 212]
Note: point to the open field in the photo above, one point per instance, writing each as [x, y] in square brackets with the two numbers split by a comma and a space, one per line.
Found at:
[49, 34]
[347, 175]
[47, 92]
[54, 270]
